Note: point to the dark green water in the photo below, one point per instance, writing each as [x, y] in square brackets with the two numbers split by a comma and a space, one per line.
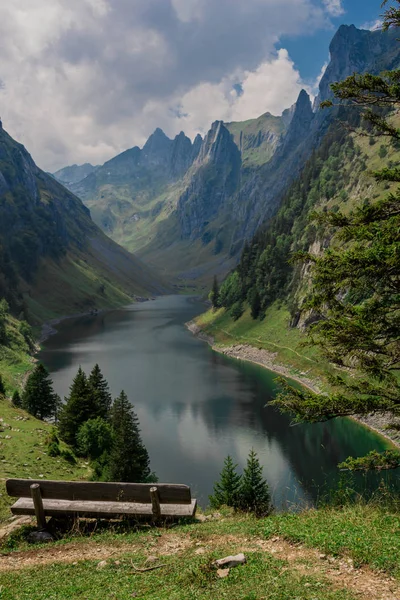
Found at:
[196, 406]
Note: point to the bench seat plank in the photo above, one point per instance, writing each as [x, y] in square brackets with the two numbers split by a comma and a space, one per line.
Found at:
[93, 509]
[98, 490]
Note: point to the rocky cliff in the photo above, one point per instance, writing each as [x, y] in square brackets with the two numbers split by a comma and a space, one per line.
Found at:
[215, 179]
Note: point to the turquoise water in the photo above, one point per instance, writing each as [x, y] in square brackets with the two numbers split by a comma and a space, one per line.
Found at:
[195, 406]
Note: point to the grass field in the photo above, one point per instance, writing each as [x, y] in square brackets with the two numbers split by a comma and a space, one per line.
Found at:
[360, 546]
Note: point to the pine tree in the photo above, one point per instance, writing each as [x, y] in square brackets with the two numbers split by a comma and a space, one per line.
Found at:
[129, 460]
[16, 399]
[214, 294]
[254, 493]
[2, 387]
[226, 490]
[79, 407]
[101, 391]
[38, 397]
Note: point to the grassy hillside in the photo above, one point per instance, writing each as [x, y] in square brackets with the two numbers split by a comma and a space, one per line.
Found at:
[273, 334]
[23, 453]
[359, 545]
[15, 354]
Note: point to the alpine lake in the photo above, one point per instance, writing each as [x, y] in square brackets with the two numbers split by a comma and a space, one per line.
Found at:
[196, 406]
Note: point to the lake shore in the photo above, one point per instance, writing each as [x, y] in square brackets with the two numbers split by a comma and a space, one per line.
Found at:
[267, 360]
[49, 327]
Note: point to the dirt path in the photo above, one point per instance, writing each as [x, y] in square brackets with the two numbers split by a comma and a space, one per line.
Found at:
[339, 572]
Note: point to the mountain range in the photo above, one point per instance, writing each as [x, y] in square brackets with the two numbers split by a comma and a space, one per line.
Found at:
[53, 259]
[187, 208]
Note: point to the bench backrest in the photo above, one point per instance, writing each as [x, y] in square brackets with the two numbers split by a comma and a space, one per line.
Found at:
[108, 492]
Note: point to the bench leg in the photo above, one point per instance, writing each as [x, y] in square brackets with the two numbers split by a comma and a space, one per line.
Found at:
[155, 502]
[38, 504]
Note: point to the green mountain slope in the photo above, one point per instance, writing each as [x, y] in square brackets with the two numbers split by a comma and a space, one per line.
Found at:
[257, 139]
[336, 177]
[53, 259]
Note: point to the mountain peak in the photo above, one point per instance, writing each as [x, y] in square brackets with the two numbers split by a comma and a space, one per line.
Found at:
[158, 132]
[157, 148]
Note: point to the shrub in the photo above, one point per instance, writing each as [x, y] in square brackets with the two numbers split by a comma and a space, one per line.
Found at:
[68, 456]
[16, 399]
[94, 438]
[53, 449]
[237, 310]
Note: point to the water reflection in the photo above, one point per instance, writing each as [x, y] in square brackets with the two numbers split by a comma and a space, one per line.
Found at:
[196, 406]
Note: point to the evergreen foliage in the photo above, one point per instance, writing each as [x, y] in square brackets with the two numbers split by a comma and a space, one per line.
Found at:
[129, 460]
[79, 407]
[254, 493]
[356, 288]
[214, 294]
[101, 392]
[226, 490]
[16, 399]
[38, 397]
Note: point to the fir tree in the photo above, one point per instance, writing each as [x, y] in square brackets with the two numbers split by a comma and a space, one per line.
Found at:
[255, 303]
[16, 399]
[79, 407]
[226, 490]
[129, 460]
[2, 387]
[101, 391]
[38, 397]
[254, 493]
[214, 294]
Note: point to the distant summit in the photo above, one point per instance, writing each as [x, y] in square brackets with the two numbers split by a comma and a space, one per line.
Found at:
[74, 173]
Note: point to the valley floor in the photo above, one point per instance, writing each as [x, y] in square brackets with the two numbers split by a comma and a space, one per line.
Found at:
[272, 344]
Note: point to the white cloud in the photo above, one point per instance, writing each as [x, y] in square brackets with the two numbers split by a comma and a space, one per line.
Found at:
[372, 25]
[85, 79]
[334, 7]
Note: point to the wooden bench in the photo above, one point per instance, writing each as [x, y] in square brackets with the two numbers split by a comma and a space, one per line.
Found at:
[99, 500]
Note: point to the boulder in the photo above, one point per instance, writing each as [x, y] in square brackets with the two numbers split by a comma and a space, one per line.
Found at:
[231, 561]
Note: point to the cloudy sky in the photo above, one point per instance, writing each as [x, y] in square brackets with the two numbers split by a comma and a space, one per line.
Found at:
[81, 80]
